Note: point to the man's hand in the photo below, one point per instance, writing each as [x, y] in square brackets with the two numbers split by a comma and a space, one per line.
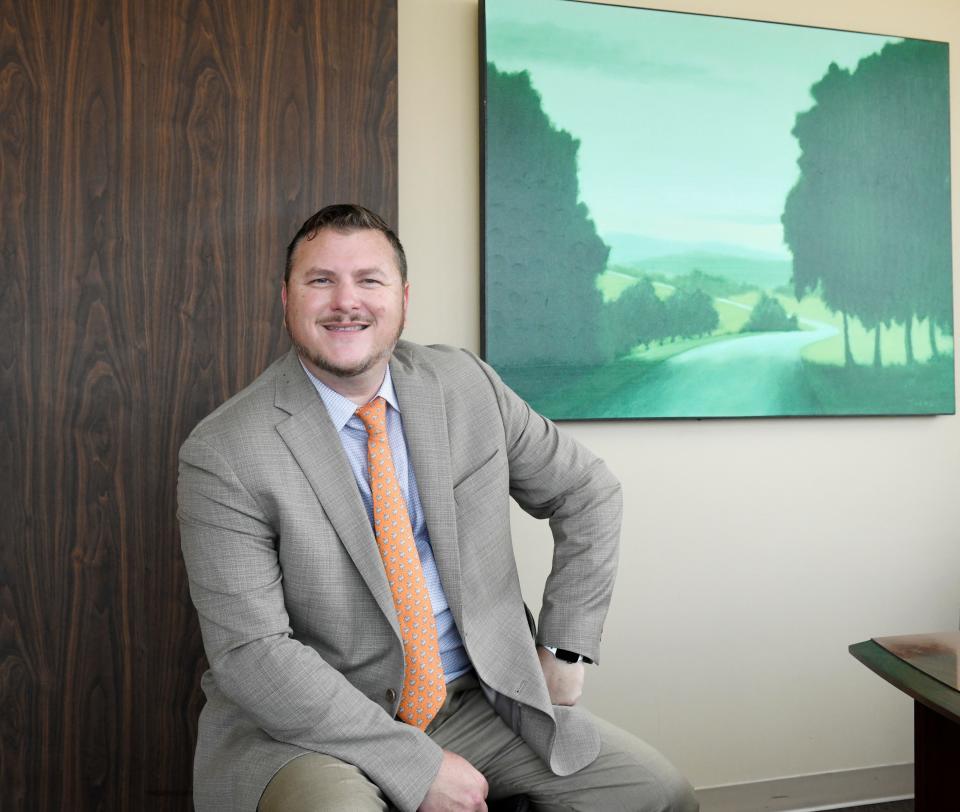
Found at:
[458, 787]
[564, 680]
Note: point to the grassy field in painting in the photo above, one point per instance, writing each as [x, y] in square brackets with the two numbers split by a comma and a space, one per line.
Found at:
[830, 351]
[923, 388]
[895, 388]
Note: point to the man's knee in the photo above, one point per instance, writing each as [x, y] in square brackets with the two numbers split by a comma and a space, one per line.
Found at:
[316, 782]
[661, 789]
[646, 779]
[679, 795]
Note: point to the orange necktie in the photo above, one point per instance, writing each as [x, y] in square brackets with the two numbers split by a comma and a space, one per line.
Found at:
[424, 686]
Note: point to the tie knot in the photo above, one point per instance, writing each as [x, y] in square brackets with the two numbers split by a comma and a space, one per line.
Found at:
[374, 415]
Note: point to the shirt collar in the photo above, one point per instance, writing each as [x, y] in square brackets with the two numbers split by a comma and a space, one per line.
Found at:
[341, 409]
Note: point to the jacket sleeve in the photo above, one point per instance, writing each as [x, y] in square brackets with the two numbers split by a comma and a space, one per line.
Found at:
[284, 686]
[554, 477]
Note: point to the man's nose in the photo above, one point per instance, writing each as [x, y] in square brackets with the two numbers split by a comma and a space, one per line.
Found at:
[345, 297]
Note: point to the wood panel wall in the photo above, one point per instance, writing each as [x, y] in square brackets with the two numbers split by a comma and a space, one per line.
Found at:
[155, 158]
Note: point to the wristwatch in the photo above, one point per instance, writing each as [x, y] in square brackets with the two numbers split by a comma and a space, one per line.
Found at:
[566, 655]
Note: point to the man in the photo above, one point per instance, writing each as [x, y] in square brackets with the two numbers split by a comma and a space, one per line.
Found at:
[345, 527]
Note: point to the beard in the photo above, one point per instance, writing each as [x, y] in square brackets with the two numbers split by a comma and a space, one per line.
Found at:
[340, 371]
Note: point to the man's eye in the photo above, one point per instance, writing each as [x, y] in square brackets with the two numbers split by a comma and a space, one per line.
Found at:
[370, 282]
[319, 280]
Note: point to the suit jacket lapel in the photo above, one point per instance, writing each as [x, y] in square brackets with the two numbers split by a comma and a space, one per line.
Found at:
[316, 446]
[425, 426]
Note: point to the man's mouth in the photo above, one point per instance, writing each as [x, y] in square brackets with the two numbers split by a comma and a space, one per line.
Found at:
[345, 328]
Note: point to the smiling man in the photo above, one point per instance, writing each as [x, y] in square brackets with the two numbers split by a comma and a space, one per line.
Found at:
[345, 526]
[344, 304]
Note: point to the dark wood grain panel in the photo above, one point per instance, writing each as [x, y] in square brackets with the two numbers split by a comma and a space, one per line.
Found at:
[155, 158]
[94, 397]
[19, 602]
[28, 668]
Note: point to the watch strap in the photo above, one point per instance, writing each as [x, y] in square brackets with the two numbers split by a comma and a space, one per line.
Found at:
[566, 655]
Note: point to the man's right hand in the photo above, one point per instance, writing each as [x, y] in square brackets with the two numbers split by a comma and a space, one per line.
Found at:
[458, 787]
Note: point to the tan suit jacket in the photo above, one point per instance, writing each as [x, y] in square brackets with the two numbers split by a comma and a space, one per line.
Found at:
[296, 614]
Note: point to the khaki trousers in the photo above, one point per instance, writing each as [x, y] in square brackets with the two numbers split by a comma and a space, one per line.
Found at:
[627, 776]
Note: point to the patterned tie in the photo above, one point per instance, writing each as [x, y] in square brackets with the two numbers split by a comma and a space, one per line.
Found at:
[424, 687]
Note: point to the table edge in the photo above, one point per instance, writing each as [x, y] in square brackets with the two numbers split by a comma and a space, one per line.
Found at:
[923, 688]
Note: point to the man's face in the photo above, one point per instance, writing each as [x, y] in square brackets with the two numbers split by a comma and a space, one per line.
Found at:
[345, 306]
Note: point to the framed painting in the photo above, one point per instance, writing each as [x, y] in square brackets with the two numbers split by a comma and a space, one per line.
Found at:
[697, 216]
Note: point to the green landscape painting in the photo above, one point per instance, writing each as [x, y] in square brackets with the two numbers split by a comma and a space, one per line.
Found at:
[694, 216]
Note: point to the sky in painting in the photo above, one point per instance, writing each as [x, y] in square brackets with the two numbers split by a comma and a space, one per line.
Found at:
[684, 120]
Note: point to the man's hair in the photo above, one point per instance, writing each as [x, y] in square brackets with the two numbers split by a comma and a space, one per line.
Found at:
[345, 218]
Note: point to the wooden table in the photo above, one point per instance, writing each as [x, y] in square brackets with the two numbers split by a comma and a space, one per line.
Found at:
[927, 668]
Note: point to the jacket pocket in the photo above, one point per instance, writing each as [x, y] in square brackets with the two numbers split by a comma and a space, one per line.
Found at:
[487, 473]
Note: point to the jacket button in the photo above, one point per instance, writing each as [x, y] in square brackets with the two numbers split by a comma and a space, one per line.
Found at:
[391, 695]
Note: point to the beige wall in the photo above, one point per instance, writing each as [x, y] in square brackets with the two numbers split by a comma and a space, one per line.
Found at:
[754, 551]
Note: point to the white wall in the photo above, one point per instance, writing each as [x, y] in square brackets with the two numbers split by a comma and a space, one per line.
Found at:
[754, 551]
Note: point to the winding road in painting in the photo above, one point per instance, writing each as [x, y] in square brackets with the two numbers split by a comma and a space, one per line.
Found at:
[748, 375]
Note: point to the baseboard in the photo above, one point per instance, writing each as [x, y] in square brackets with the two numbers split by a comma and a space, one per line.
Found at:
[806, 793]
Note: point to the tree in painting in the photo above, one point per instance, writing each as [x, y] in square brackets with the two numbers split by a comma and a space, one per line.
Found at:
[543, 249]
[868, 221]
[768, 316]
[636, 318]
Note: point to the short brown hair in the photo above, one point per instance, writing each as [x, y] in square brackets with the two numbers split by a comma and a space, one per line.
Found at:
[346, 217]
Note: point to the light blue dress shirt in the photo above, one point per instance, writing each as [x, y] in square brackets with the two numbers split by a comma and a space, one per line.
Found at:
[353, 435]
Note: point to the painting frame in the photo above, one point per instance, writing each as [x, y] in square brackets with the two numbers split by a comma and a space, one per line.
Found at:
[588, 363]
